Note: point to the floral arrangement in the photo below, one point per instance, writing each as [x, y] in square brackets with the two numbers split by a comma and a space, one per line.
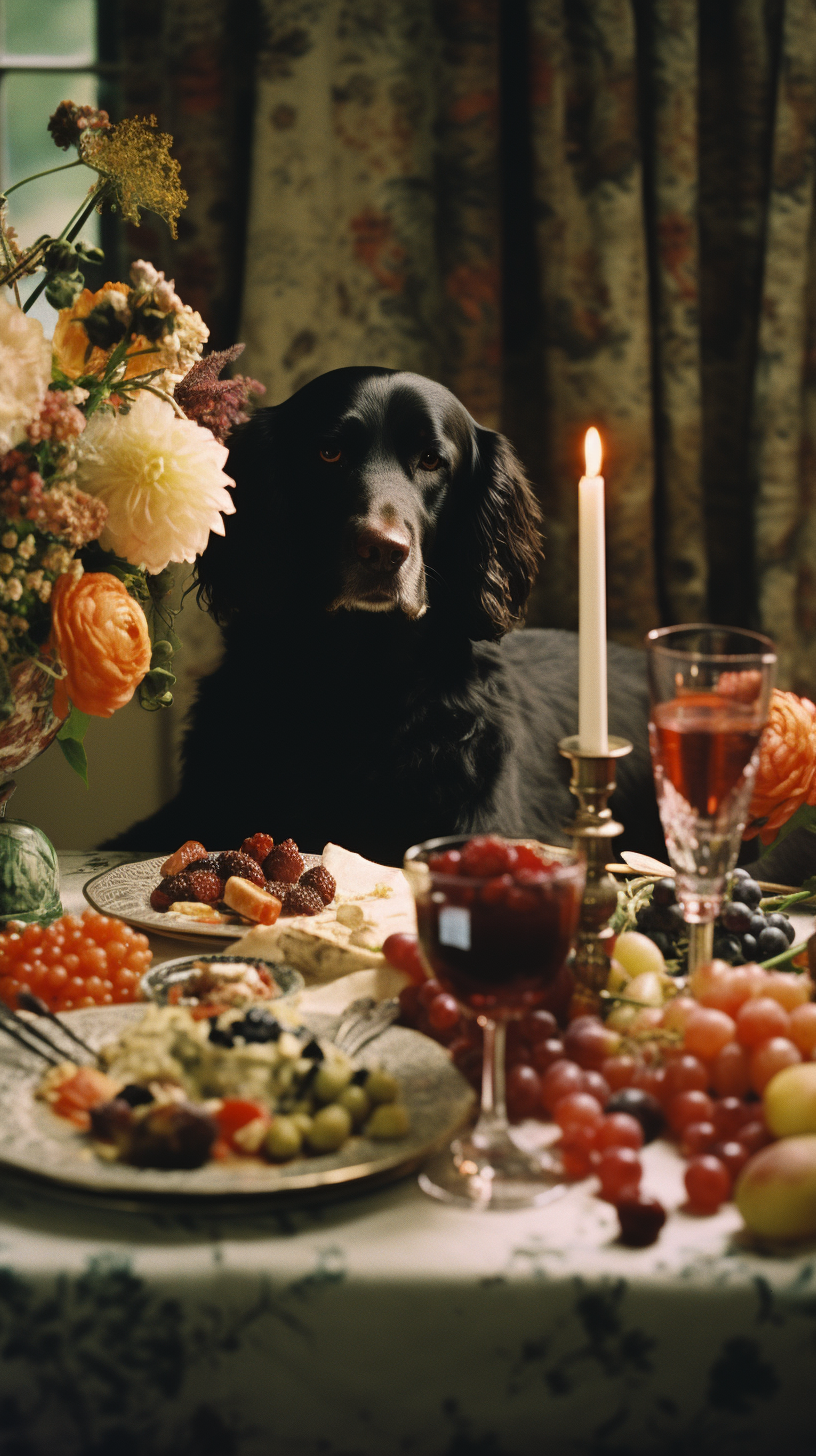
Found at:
[112, 446]
[784, 794]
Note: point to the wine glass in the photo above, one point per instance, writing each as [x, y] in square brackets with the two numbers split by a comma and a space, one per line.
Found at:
[495, 923]
[710, 688]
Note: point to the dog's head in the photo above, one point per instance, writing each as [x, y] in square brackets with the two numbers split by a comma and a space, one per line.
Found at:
[372, 490]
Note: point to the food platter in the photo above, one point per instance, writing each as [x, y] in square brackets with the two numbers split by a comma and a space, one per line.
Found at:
[125, 891]
[156, 982]
[34, 1142]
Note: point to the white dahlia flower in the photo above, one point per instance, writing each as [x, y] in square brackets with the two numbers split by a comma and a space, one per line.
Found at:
[161, 478]
[25, 372]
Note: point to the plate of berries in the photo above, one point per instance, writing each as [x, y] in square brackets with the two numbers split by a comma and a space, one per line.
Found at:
[215, 894]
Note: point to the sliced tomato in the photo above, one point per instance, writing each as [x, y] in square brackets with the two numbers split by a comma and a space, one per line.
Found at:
[85, 1089]
[236, 1112]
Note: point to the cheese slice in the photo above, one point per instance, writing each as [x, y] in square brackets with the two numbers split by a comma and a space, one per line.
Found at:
[372, 902]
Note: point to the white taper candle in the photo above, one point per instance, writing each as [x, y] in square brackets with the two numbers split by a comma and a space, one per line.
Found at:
[593, 732]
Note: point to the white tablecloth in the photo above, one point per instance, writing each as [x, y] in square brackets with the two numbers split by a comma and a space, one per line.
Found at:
[389, 1324]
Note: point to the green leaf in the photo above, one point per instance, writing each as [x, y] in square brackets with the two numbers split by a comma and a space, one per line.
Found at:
[75, 727]
[76, 756]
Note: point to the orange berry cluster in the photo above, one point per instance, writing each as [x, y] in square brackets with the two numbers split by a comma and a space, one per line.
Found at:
[79, 960]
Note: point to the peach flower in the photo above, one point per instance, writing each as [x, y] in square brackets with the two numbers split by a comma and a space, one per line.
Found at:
[101, 636]
[786, 778]
[71, 341]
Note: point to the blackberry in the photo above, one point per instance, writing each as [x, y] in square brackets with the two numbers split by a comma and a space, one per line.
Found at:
[159, 899]
[278, 888]
[206, 885]
[233, 862]
[284, 862]
[176, 887]
[259, 1025]
[302, 901]
[258, 846]
[320, 880]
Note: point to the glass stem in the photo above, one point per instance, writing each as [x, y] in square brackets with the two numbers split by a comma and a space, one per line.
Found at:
[493, 1113]
[701, 945]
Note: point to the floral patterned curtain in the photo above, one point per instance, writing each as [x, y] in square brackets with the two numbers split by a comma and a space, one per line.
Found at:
[568, 211]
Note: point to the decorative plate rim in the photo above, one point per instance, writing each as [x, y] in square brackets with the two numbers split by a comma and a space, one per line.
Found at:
[167, 970]
[33, 1141]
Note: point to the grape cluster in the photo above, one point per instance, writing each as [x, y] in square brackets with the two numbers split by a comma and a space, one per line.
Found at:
[741, 933]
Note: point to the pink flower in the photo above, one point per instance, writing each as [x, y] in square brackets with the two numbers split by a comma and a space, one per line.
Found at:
[219, 404]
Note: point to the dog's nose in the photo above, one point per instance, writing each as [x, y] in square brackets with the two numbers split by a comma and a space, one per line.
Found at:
[383, 548]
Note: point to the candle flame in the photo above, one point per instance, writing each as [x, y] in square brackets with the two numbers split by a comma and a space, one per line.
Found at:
[593, 452]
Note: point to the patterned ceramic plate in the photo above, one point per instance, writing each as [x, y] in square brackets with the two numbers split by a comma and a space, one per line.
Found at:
[34, 1141]
[158, 980]
[125, 891]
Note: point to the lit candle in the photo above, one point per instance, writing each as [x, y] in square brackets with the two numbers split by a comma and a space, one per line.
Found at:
[593, 732]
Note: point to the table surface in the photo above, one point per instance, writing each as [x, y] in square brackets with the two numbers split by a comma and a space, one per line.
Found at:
[390, 1323]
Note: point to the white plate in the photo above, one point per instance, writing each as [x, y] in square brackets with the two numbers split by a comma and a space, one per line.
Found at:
[34, 1141]
[158, 980]
[125, 891]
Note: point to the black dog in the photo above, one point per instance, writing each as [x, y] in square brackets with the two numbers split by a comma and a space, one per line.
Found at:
[371, 692]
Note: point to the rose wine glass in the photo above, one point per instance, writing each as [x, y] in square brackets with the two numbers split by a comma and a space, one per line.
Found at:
[710, 688]
[495, 921]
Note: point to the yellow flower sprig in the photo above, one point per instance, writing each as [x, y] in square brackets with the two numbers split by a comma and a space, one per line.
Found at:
[135, 159]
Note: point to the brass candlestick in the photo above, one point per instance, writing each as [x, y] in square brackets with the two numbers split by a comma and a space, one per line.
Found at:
[592, 782]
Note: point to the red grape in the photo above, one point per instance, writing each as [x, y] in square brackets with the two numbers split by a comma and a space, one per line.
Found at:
[686, 1107]
[759, 1020]
[618, 1071]
[754, 1135]
[697, 1137]
[770, 1058]
[401, 950]
[707, 1032]
[733, 1155]
[619, 1169]
[537, 1026]
[619, 1130]
[588, 1042]
[576, 1164]
[731, 1071]
[523, 1092]
[641, 1219]
[558, 1081]
[428, 991]
[803, 1028]
[707, 1183]
[444, 1012]
[577, 1109]
[730, 1113]
[597, 1086]
[544, 1053]
[684, 1074]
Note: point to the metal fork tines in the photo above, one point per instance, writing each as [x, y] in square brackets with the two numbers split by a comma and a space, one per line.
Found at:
[364, 1020]
[21, 1030]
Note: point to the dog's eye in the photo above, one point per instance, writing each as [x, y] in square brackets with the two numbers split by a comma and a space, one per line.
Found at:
[330, 454]
[429, 461]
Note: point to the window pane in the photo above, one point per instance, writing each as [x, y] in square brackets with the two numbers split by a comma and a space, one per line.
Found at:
[46, 205]
[49, 28]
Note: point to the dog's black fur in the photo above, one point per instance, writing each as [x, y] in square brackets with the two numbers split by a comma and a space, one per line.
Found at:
[371, 691]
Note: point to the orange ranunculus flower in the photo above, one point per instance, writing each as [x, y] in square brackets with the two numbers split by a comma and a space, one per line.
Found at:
[101, 636]
[70, 342]
[786, 777]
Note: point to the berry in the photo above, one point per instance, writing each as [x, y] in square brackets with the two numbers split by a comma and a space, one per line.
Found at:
[320, 880]
[487, 855]
[300, 901]
[736, 917]
[448, 863]
[401, 950]
[233, 862]
[687, 1107]
[176, 887]
[730, 1113]
[664, 893]
[618, 1071]
[284, 862]
[771, 1057]
[444, 1012]
[588, 1042]
[278, 888]
[733, 1155]
[619, 1170]
[597, 1087]
[206, 886]
[537, 1026]
[159, 900]
[759, 1019]
[544, 1053]
[778, 921]
[707, 1183]
[618, 1130]
[258, 846]
[641, 1105]
[559, 1081]
[577, 1110]
[748, 892]
[771, 942]
[641, 1219]
[684, 1074]
[696, 1138]
[707, 1032]
[523, 1092]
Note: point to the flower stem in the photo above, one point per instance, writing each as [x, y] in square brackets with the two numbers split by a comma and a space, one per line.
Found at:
[784, 956]
[69, 233]
[162, 394]
[66, 166]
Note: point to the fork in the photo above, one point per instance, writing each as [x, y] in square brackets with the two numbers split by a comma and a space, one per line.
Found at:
[14, 1026]
[362, 1021]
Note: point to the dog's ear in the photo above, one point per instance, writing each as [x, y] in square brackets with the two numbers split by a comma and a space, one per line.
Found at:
[232, 563]
[489, 542]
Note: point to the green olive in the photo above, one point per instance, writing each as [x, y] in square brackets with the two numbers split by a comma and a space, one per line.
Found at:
[303, 1123]
[284, 1139]
[381, 1086]
[389, 1120]
[332, 1078]
[330, 1128]
[356, 1103]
